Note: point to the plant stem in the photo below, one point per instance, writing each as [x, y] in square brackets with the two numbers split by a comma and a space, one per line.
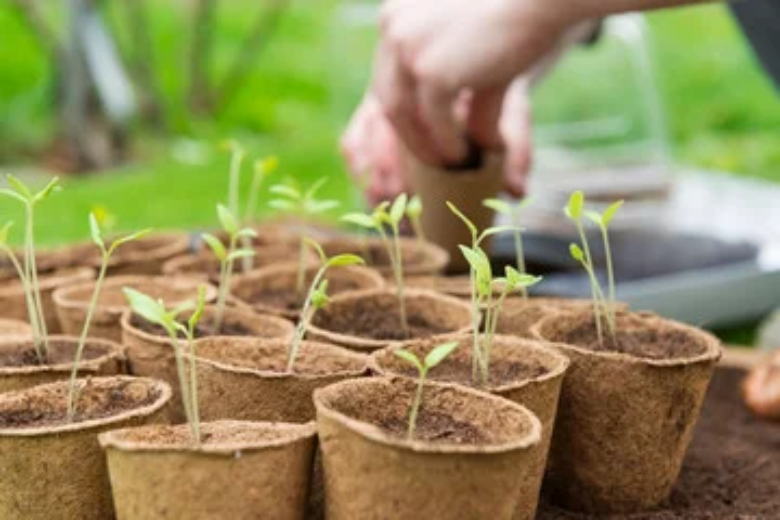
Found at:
[28, 297]
[194, 406]
[595, 288]
[416, 405]
[520, 259]
[42, 342]
[399, 279]
[610, 307]
[182, 373]
[306, 316]
[83, 338]
[300, 278]
[225, 274]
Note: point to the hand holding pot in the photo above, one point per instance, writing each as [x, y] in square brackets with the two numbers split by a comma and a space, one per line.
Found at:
[762, 388]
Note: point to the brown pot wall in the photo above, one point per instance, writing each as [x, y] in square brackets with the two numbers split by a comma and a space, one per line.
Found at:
[446, 313]
[12, 300]
[147, 255]
[150, 355]
[419, 258]
[13, 327]
[538, 391]
[107, 359]
[243, 471]
[60, 471]
[371, 474]
[283, 277]
[246, 379]
[624, 422]
[465, 189]
[72, 302]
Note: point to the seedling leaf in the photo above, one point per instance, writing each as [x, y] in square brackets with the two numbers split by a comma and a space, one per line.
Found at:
[199, 306]
[438, 354]
[574, 207]
[285, 191]
[497, 230]
[609, 213]
[414, 207]
[320, 206]
[145, 306]
[470, 225]
[344, 260]
[131, 237]
[246, 233]
[576, 252]
[47, 190]
[312, 191]
[241, 253]
[360, 219]
[319, 298]
[398, 209]
[498, 205]
[13, 194]
[20, 187]
[594, 217]
[227, 220]
[94, 231]
[281, 204]
[217, 247]
[409, 358]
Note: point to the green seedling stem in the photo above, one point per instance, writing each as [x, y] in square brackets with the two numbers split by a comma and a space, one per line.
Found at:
[512, 211]
[105, 254]
[434, 357]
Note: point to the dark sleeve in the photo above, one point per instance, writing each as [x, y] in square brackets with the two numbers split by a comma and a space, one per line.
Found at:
[760, 20]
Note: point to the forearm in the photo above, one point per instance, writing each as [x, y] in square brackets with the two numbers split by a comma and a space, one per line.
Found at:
[586, 9]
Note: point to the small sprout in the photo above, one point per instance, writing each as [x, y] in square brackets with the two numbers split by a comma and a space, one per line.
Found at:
[317, 298]
[512, 211]
[387, 215]
[264, 168]
[105, 259]
[227, 256]
[155, 311]
[236, 160]
[603, 308]
[303, 204]
[20, 192]
[434, 357]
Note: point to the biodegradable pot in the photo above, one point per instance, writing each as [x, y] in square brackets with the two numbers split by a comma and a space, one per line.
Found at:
[369, 320]
[19, 367]
[241, 470]
[456, 285]
[475, 466]
[13, 304]
[419, 258]
[627, 413]
[464, 188]
[273, 289]
[246, 379]
[518, 315]
[55, 469]
[12, 327]
[150, 354]
[146, 255]
[72, 302]
[206, 266]
[525, 371]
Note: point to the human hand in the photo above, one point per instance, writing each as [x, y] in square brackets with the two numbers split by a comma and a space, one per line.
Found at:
[373, 153]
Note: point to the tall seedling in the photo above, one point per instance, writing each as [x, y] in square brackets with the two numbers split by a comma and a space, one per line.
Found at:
[227, 257]
[476, 240]
[512, 212]
[603, 306]
[304, 205]
[19, 191]
[434, 357]
[154, 311]
[317, 297]
[389, 216]
[263, 169]
[105, 258]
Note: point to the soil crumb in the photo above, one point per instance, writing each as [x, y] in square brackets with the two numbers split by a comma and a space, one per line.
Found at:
[202, 330]
[435, 427]
[502, 372]
[732, 468]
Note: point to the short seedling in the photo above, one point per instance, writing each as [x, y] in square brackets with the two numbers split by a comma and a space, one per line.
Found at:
[389, 216]
[305, 205]
[603, 307]
[317, 297]
[434, 357]
[227, 257]
[154, 311]
[30, 284]
[485, 287]
[105, 258]
[476, 240]
[512, 212]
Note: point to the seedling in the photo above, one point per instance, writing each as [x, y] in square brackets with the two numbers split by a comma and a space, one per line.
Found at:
[317, 297]
[263, 169]
[486, 287]
[389, 216]
[29, 299]
[476, 239]
[105, 257]
[512, 212]
[236, 160]
[434, 357]
[30, 200]
[603, 307]
[227, 256]
[155, 311]
[304, 204]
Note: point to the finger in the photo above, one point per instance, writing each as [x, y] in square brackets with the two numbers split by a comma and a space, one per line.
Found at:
[437, 114]
[483, 118]
[517, 136]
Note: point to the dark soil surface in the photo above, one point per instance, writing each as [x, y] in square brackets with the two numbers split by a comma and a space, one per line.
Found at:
[377, 323]
[50, 409]
[287, 298]
[502, 372]
[434, 426]
[59, 352]
[202, 330]
[731, 471]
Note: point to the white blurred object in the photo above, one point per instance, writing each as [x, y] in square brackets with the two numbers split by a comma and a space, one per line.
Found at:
[769, 332]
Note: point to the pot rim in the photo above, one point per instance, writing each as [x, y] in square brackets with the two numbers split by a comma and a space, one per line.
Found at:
[146, 410]
[436, 256]
[114, 350]
[295, 433]
[377, 435]
[561, 361]
[361, 343]
[269, 374]
[711, 353]
[62, 296]
[62, 278]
